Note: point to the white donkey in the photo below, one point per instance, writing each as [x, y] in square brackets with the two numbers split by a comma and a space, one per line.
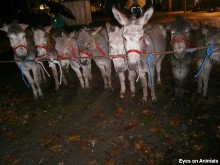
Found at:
[117, 55]
[95, 43]
[68, 49]
[45, 46]
[24, 51]
[137, 40]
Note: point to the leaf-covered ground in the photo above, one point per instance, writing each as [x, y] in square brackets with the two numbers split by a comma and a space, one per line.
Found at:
[75, 126]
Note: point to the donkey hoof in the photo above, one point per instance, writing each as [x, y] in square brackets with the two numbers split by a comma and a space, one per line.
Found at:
[122, 96]
[132, 94]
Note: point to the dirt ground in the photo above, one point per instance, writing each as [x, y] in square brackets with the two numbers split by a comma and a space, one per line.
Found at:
[92, 127]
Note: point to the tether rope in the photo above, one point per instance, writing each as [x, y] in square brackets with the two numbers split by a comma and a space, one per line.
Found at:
[119, 55]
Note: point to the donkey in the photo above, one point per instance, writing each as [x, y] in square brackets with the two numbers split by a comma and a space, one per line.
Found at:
[137, 40]
[116, 54]
[22, 44]
[181, 39]
[68, 51]
[95, 43]
[45, 46]
[211, 36]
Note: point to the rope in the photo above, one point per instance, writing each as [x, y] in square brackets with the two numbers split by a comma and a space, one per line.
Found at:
[209, 52]
[148, 62]
[38, 61]
[119, 55]
[22, 72]
[56, 62]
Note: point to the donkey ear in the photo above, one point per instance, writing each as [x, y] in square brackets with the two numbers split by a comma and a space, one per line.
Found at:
[108, 27]
[147, 15]
[72, 34]
[48, 28]
[96, 30]
[120, 17]
[23, 26]
[168, 26]
[4, 28]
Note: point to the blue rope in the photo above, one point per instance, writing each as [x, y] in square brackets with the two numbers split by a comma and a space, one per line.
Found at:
[22, 72]
[148, 62]
[209, 51]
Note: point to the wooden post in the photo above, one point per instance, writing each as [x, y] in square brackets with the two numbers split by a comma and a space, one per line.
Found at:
[184, 6]
[169, 5]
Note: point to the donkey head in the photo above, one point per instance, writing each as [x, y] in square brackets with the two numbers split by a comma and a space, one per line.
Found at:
[41, 39]
[116, 48]
[133, 33]
[85, 40]
[212, 37]
[180, 36]
[65, 47]
[16, 34]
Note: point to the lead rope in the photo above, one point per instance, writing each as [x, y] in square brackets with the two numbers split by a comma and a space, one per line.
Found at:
[148, 62]
[209, 51]
[37, 60]
[56, 62]
[22, 71]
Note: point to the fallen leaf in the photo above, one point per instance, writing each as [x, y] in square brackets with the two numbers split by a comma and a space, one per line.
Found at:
[146, 112]
[99, 116]
[131, 124]
[119, 111]
[175, 122]
[153, 129]
[198, 147]
[74, 138]
[56, 148]
[138, 145]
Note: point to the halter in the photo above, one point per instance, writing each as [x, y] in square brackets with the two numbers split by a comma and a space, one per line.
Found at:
[187, 42]
[46, 47]
[19, 46]
[85, 52]
[134, 51]
[137, 51]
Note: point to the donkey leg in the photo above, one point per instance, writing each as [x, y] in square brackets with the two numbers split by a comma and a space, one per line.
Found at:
[36, 80]
[102, 69]
[122, 83]
[90, 70]
[151, 85]
[55, 76]
[131, 77]
[80, 77]
[64, 77]
[31, 83]
[144, 85]
[109, 74]
[158, 70]
[86, 75]
[205, 78]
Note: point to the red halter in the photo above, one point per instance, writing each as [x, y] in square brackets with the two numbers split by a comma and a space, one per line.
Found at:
[85, 52]
[19, 46]
[187, 42]
[46, 47]
[134, 51]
